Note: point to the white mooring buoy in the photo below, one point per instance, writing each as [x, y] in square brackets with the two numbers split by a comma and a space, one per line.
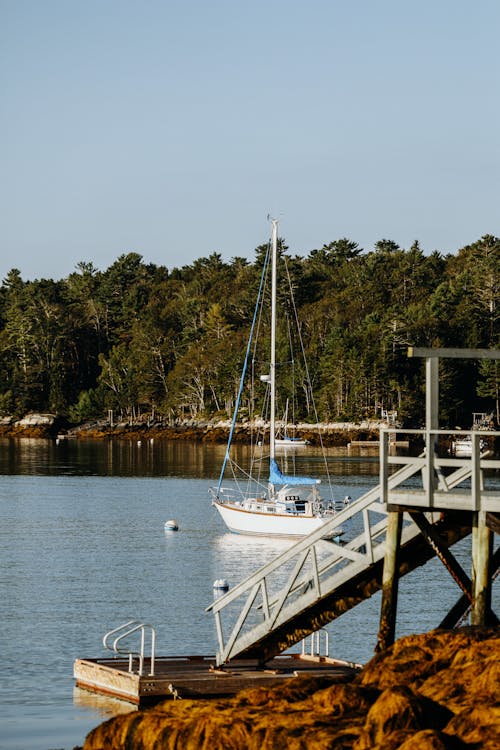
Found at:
[171, 525]
[221, 584]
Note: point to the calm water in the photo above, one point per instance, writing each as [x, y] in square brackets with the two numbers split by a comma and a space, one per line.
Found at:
[83, 549]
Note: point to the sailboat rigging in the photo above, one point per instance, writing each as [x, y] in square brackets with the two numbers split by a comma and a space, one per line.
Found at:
[287, 505]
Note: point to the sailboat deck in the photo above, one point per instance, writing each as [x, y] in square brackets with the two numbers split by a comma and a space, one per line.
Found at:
[197, 677]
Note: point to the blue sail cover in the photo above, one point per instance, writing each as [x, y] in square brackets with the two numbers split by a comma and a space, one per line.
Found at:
[276, 477]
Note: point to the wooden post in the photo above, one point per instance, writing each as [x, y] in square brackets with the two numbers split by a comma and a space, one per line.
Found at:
[390, 581]
[432, 393]
[431, 423]
[476, 476]
[481, 582]
[384, 467]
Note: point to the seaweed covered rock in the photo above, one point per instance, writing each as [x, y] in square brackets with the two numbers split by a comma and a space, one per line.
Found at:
[437, 691]
[397, 714]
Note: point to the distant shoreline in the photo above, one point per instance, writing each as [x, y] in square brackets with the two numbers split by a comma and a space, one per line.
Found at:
[204, 431]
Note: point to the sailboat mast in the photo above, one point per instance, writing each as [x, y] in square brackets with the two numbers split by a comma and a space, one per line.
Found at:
[272, 373]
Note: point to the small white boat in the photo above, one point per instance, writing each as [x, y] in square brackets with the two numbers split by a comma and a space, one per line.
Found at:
[462, 446]
[290, 442]
[285, 504]
[284, 440]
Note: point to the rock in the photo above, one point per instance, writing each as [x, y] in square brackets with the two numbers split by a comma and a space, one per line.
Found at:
[36, 420]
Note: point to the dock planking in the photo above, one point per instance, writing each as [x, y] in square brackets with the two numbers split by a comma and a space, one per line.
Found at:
[198, 677]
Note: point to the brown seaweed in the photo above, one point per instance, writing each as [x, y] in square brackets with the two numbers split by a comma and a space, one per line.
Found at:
[437, 691]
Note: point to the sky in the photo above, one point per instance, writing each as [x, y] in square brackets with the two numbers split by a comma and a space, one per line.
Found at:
[172, 128]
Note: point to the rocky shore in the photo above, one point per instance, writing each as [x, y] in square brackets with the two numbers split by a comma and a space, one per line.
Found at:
[209, 431]
[437, 691]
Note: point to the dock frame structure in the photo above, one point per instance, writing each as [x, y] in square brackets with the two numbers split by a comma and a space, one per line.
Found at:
[435, 496]
[423, 505]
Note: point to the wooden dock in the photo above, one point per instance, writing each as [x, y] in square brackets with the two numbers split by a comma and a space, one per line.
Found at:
[197, 677]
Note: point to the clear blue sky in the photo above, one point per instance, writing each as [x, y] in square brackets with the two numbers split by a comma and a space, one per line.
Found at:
[173, 127]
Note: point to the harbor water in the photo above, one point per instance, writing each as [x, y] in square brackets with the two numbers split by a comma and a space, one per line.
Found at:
[83, 549]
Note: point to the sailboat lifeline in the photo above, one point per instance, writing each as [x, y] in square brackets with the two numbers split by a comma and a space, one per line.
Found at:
[289, 506]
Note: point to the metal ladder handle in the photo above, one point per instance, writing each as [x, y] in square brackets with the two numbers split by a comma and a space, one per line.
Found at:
[116, 630]
[140, 626]
[316, 642]
[137, 626]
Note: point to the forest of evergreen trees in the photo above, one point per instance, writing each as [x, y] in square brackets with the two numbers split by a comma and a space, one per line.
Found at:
[140, 339]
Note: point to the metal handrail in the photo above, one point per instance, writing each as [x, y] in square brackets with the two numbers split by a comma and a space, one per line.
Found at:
[132, 626]
[433, 480]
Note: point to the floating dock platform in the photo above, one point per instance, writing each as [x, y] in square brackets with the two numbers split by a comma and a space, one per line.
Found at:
[198, 677]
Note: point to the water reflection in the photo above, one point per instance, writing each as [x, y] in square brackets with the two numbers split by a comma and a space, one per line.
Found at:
[163, 458]
[236, 555]
[102, 705]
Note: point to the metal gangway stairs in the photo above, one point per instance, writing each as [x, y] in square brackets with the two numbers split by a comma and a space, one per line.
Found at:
[315, 580]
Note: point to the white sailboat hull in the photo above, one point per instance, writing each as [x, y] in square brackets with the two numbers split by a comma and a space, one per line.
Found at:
[250, 521]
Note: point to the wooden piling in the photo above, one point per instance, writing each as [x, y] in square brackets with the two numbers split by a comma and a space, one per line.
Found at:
[390, 582]
[481, 581]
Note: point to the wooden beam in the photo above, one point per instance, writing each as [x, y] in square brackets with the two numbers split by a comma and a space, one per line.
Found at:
[463, 605]
[451, 564]
[414, 351]
[493, 522]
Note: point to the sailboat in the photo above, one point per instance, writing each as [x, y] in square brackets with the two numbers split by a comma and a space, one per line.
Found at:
[285, 440]
[286, 505]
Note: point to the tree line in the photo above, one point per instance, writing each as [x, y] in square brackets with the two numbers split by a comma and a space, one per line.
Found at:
[140, 339]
